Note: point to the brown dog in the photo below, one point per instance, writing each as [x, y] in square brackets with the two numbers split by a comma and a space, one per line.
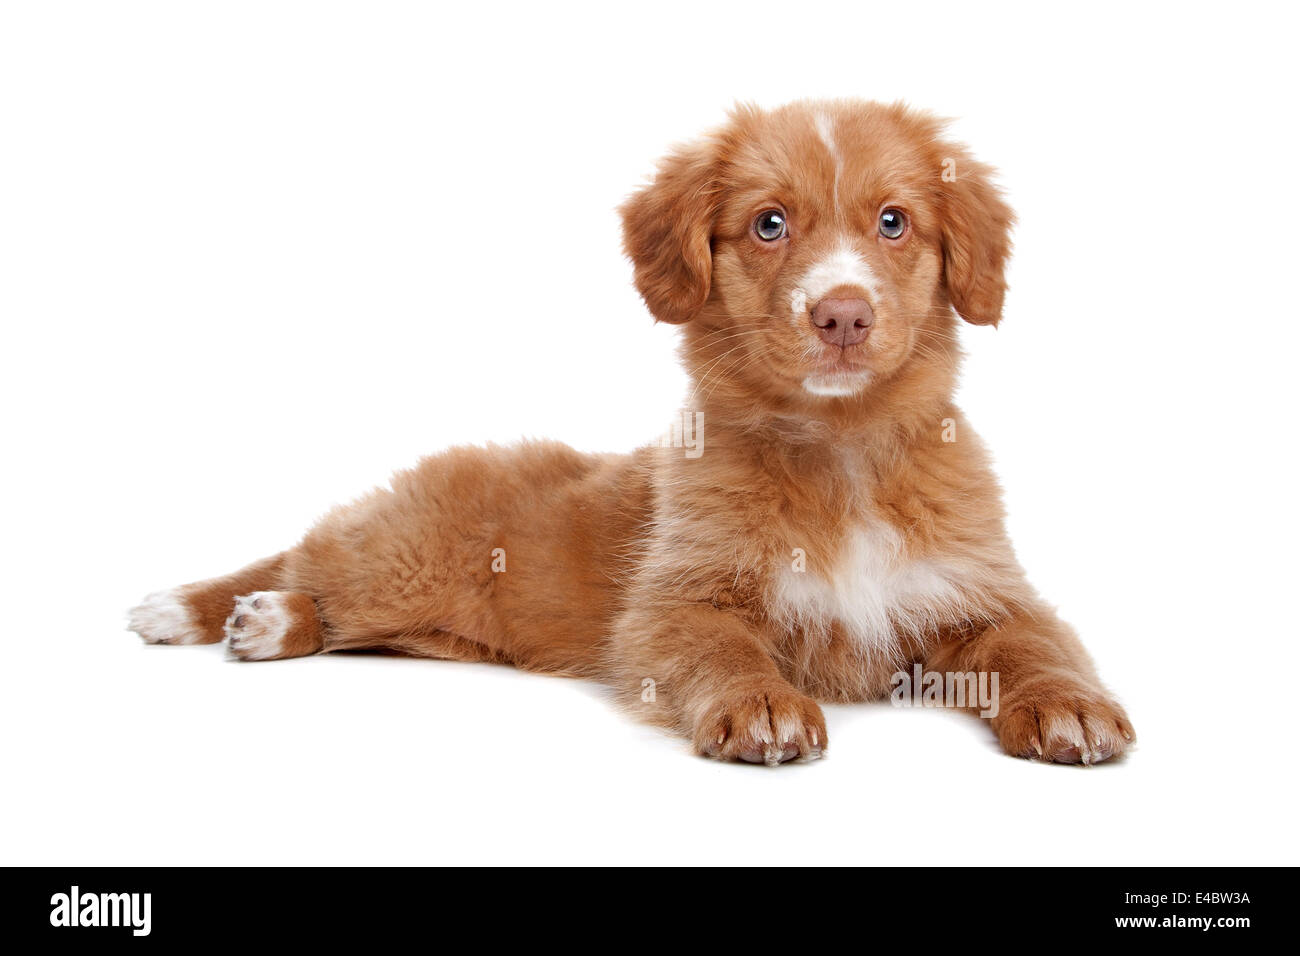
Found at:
[834, 522]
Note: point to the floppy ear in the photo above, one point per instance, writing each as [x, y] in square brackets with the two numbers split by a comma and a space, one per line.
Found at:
[976, 239]
[668, 229]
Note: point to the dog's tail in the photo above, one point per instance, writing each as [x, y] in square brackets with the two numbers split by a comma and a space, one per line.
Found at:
[196, 613]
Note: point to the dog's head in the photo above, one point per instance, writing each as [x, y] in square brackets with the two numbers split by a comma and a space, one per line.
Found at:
[815, 250]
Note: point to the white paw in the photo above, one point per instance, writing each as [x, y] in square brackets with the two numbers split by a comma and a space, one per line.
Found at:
[165, 618]
[256, 629]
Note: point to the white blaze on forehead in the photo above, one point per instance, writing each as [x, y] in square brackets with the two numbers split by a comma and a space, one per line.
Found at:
[842, 266]
[825, 130]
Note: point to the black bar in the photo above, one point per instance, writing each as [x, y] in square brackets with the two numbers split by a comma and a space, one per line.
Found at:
[387, 905]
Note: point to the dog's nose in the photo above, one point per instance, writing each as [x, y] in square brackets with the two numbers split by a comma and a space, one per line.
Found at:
[843, 322]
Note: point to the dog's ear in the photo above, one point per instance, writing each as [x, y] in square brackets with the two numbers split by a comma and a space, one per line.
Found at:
[668, 232]
[976, 238]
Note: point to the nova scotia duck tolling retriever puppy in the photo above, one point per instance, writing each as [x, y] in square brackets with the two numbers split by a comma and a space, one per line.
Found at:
[829, 526]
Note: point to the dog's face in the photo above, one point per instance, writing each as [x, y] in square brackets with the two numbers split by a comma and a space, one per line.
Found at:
[815, 250]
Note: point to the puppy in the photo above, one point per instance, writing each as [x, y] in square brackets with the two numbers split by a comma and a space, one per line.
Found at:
[840, 524]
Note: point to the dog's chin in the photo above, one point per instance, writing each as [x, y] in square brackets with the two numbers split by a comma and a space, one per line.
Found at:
[837, 383]
[839, 374]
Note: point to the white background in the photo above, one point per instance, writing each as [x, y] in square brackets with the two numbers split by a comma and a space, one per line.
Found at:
[255, 256]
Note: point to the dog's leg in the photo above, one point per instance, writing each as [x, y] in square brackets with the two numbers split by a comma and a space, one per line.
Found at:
[271, 625]
[1051, 705]
[703, 671]
[196, 613]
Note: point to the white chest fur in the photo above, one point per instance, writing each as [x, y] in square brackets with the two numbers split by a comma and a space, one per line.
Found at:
[872, 589]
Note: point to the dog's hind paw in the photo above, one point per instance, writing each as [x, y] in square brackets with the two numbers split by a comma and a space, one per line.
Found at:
[165, 617]
[256, 628]
[267, 625]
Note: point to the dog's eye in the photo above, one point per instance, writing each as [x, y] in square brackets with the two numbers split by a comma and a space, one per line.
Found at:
[770, 225]
[892, 223]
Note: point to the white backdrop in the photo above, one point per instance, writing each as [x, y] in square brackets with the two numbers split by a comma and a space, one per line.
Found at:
[255, 256]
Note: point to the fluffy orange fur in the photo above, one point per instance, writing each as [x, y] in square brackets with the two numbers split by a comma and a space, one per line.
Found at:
[825, 538]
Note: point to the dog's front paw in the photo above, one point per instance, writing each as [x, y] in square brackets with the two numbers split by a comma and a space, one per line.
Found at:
[1070, 724]
[768, 725]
